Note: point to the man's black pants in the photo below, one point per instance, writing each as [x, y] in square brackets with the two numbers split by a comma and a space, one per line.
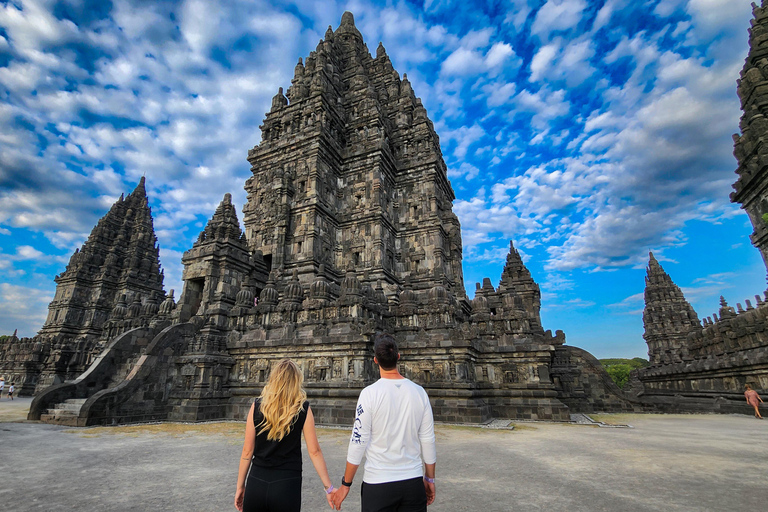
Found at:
[402, 496]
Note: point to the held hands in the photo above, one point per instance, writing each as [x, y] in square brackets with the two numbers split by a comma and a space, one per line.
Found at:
[339, 495]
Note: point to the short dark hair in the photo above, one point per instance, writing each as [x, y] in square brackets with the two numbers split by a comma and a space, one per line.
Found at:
[385, 350]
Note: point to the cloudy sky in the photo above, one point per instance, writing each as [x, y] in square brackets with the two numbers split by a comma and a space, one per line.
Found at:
[587, 131]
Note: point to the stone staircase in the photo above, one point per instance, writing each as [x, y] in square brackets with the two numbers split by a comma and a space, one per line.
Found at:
[67, 412]
[64, 413]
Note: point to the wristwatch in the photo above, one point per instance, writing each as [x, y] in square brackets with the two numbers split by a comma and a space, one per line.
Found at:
[345, 483]
[429, 480]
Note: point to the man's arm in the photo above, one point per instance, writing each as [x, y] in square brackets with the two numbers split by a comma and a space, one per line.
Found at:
[341, 493]
[428, 451]
[429, 487]
[358, 442]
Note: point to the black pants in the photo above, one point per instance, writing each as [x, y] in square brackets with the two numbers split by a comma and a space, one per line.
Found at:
[402, 496]
[272, 490]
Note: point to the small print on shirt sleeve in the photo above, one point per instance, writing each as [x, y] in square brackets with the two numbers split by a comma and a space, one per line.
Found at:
[357, 434]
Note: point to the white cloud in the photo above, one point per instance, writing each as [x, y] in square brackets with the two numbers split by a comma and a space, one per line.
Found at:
[27, 252]
[465, 170]
[23, 308]
[463, 137]
[542, 60]
[557, 15]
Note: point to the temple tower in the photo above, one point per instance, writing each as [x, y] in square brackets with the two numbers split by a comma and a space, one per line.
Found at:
[120, 256]
[349, 173]
[119, 259]
[750, 148]
[667, 317]
[520, 291]
[216, 267]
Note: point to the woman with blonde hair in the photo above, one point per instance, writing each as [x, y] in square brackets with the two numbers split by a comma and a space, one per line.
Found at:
[272, 447]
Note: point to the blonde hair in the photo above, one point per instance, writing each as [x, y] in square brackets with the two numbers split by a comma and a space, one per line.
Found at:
[281, 400]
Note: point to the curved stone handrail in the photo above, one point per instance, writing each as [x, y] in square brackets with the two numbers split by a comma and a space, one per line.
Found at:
[100, 371]
[101, 406]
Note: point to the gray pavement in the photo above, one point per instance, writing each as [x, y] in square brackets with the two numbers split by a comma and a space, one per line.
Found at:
[665, 462]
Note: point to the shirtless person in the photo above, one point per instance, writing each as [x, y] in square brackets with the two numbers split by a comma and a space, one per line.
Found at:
[753, 399]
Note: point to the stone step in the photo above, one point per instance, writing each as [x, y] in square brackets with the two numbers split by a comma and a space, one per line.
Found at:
[65, 406]
[78, 401]
[66, 419]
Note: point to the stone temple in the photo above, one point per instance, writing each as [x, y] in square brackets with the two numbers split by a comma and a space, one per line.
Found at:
[348, 230]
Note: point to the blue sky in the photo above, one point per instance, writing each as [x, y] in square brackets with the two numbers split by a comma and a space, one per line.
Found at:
[587, 131]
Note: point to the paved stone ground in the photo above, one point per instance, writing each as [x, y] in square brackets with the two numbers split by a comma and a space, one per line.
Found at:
[666, 462]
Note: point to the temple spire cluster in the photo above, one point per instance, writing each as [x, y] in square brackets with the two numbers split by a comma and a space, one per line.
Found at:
[349, 230]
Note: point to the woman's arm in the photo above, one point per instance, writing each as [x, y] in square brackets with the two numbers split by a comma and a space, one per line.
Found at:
[245, 458]
[315, 453]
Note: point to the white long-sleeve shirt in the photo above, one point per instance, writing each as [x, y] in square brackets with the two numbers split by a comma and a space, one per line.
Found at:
[394, 429]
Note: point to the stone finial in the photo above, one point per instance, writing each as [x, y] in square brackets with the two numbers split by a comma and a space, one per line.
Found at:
[279, 100]
[347, 19]
[140, 190]
[380, 51]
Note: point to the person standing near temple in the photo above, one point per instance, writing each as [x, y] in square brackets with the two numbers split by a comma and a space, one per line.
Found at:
[2, 386]
[272, 446]
[11, 390]
[753, 399]
[394, 429]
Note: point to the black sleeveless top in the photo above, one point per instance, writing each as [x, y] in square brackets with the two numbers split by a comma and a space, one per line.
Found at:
[283, 454]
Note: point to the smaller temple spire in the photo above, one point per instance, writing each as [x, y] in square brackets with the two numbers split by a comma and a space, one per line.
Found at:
[223, 225]
[667, 317]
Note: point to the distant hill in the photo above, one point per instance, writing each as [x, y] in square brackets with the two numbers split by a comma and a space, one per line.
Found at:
[619, 368]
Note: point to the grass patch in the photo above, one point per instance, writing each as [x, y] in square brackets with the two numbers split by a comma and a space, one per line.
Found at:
[225, 429]
[614, 419]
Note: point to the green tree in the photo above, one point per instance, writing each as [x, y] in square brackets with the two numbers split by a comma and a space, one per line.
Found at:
[618, 368]
[619, 373]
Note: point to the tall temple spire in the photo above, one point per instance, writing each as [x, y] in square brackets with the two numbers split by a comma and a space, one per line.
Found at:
[751, 187]
[668, 317]
[348, 156]
[119, 257]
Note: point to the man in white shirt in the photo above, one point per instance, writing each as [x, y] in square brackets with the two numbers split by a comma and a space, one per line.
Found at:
[394, 429]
